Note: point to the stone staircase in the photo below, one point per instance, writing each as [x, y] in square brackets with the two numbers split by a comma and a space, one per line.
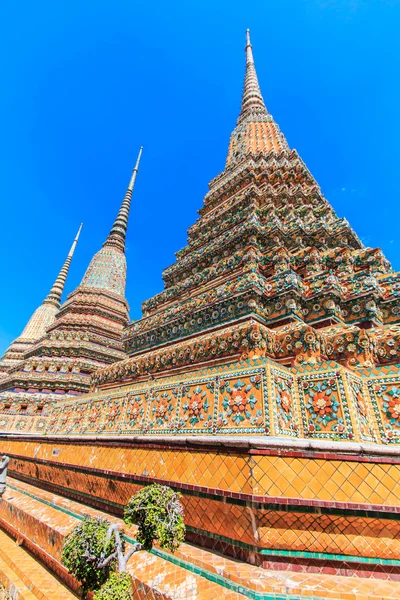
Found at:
[39, 520]
[24, 577]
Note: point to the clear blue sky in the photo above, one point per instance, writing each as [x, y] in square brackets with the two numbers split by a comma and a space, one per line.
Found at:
[83, 83]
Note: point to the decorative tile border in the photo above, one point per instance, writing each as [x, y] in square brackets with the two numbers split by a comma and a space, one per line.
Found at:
[252, 397]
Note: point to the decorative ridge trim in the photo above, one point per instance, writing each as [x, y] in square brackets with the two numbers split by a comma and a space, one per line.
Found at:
[326, 556]
[250, 445]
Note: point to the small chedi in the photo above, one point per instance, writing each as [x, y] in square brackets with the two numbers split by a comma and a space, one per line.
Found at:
[61, 347]
[263, 383]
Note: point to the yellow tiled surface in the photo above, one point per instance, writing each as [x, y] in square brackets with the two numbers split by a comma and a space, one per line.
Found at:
[332, 534]
[330, 480]
[222, 470]
[157, 579]
[41, 584]
[273, 529]
[10, 581]
[275, 476]
[271, 476]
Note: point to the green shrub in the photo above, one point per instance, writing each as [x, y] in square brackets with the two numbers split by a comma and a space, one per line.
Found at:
[118, 587]
[84, 551]
[158, 513]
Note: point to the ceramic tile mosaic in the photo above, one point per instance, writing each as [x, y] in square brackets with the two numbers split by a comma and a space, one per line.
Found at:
[264, 501]
[192, 572]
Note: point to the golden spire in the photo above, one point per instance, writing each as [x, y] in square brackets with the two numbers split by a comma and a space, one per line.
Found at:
[54, 296]
[118, 231]
[252, 100]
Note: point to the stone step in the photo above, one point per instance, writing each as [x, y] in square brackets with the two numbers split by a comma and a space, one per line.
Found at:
[42, 520]
[232, 576]
[24, 577]
[13, 584]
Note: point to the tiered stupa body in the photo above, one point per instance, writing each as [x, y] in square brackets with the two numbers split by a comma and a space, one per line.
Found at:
[86, 333]
[268, 255]
[41, 320]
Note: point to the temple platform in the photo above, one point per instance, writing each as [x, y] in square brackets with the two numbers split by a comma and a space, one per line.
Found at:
[40, 520]
[265, 518]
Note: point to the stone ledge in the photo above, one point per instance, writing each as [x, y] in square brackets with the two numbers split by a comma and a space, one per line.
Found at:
[224, 443]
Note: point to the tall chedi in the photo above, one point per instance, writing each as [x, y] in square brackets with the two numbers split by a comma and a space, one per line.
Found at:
[270, 248]
[87, 331]
[42, 318]
[270, 273]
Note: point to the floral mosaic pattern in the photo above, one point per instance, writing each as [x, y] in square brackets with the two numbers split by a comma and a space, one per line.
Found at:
[386, 404]
[324, 408]
[135, 412]
[77, 417]
[162, 410]
[93, 417]
[39, 425]
[240, 403]
[5, 423]
[113, 410]
[196, 410]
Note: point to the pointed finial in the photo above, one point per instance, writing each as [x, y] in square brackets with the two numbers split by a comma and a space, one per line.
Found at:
[118, 231]
[135, 170]
[71, 252]
[54, 296]
[252, 100]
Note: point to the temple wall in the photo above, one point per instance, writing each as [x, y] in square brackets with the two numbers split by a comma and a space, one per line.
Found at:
[256, 397]
[247, 499]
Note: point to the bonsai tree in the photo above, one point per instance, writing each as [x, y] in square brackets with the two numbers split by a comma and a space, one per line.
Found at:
[4, 594]
[95, 547]
[117, 587]
[86, 553]
[158, 513]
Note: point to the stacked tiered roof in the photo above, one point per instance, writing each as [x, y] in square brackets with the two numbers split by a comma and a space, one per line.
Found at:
[268, 249]
[85, 333]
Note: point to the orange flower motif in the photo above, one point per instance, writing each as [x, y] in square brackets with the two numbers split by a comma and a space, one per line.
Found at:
[238, 400]
[286, 401]
[322, 404]
[134, 410]
[162, 408]
[94, 415]
[195, 405]
[78, 416]
[394, 408]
